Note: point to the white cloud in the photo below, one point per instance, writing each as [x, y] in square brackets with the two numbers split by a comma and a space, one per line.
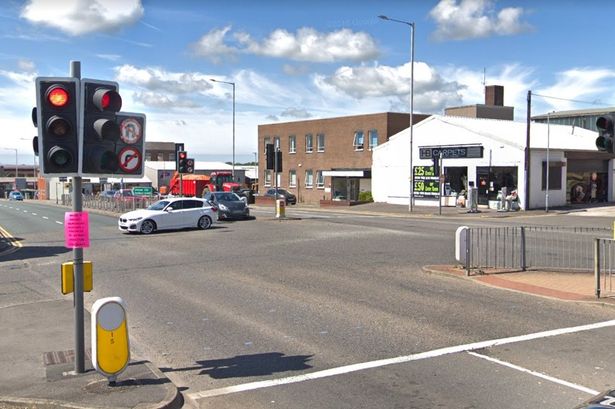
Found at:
[157, 79]
[78, 17]
[459, 20]
[431, 91]
[163, 100]
[26, 65]
[109, 57]
[306, 44]
[212, 46]
[296, 113]
[586, 84]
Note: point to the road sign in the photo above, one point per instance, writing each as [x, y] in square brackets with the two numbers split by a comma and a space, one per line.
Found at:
[130, 159]
[142, 191]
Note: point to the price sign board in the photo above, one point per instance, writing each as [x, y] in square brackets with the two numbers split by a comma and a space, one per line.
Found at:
[426, 183]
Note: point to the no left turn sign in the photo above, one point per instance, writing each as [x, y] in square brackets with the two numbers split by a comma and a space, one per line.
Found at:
[130, 159]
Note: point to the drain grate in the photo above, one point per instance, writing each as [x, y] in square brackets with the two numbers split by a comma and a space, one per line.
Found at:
[63, 357]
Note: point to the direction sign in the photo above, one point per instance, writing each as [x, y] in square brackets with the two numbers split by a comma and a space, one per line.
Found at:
[143, 191]
[130, 159]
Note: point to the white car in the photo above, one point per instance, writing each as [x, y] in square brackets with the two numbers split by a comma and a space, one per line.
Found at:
[172, 213]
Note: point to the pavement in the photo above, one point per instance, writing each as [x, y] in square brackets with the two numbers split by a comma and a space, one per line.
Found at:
[38, 362]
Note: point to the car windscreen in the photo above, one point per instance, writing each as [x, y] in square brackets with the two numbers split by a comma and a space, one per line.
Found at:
[159, 205]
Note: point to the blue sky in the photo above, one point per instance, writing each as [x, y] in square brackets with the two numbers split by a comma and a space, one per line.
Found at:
[294, 60]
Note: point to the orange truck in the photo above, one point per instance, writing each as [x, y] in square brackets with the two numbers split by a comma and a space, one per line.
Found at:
[197, 185]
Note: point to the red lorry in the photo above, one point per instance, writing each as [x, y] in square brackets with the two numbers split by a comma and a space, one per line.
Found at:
[197, 185]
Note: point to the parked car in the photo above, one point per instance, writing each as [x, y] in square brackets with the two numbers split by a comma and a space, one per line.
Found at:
[108, 194]
[282, 194]
[229, 204]
[168, 214]
[247, 194]
[125, 194]
[15, 195]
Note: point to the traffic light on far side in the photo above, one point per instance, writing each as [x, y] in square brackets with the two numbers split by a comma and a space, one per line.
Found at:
[269, 156]
[57, 102]
[606, 134]
[182, 162]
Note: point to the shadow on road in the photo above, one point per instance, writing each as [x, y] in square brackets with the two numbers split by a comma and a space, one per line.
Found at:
[248, 365]
[23, 253]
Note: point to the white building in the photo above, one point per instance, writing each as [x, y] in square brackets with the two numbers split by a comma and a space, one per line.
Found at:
[578, 173]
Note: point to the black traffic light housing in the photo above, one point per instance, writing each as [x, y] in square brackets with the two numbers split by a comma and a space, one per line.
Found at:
[179, 147]
[57, 118]
[111, 142]
[184, 164]
[604, 141]
[269, 156]
[436, 165]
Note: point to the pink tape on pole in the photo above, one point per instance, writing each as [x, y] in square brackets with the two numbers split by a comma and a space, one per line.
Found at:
[76, 230]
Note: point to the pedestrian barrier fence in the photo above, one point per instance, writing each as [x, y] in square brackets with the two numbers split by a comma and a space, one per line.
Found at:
[604, 266]
[112, 204]
[528, 247]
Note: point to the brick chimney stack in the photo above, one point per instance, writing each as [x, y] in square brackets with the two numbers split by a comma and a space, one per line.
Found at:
[494, 95]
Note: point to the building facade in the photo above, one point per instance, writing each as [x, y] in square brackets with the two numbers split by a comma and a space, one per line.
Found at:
[327, 159]
[583, 118]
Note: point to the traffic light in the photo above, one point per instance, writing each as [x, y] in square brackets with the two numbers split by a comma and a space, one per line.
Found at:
[278, 161]
[178, 148]
[269, 155]
[189, 165]
[112, 142]
[56, 117]
[604, 141]
[182, 162]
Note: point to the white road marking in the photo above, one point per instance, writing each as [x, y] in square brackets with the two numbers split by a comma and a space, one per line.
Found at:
[59, 222]
[34, 214]
[538, 374]
[398, 360]
[45, 217]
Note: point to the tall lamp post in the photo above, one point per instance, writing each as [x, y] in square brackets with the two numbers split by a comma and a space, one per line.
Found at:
[548, 163]
[16, 160]
[411, 178]
[233, 84]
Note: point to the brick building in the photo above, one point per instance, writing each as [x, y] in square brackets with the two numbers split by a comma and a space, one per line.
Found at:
[328, 159]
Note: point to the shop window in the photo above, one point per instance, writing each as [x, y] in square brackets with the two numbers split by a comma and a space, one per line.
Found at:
[292, 144]
[555, 176]
[321, 142]
[309, 143]
[358, 141]
[373, 138]
[292, 178]
[309, 179]
[320, 180]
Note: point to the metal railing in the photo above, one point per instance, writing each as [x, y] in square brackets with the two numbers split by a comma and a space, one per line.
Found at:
[604, 266]
[116, 205]
[532, 247]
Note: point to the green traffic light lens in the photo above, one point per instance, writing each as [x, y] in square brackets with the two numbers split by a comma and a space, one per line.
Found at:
[60, 156]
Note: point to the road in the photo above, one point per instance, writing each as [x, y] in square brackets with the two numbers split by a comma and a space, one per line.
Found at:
[325, 310]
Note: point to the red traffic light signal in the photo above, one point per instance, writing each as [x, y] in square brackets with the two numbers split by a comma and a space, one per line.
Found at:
[56, 118]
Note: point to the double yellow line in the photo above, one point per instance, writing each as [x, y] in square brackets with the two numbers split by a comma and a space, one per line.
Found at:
[12, 241]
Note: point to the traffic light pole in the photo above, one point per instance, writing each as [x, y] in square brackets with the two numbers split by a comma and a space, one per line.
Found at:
[75, 72]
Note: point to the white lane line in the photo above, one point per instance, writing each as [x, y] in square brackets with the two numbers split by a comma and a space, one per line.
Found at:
[59, 222]
[34, 214]
[45, 217]
[398, 360]
[538, 374]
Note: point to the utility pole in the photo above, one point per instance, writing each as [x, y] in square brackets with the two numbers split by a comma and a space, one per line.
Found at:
[527, 151]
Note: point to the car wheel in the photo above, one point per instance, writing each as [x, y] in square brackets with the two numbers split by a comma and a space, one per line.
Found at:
[204, 223]
[148, 227]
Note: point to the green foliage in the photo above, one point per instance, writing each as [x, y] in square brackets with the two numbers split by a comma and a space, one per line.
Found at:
[365, 197]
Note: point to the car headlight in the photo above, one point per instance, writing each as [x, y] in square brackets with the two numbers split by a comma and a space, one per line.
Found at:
[222, 207]
[136, 219]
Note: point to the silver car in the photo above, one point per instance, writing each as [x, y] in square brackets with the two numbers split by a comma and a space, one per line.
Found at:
[168, 214]
[229, 204]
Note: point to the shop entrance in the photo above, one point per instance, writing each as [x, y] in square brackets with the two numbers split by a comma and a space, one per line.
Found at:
[345, 189]
[492, 179]
[587, 181]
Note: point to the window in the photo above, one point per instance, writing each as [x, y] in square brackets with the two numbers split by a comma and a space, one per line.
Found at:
[276, 142]
[320, 180]
[267, 178]
[309, 179]
[358, 141]
[309, 143]
[373, 138]
[321, 142]
[292, 178]
[555, 175]
[266, 141]
[292, 144]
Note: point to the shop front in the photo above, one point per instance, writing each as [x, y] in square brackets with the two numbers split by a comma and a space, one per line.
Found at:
[587, 180]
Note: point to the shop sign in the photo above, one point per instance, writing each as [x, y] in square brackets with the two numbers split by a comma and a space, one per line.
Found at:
[452, 152]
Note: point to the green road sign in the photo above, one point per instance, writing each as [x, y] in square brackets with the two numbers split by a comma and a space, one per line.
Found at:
[143, 191]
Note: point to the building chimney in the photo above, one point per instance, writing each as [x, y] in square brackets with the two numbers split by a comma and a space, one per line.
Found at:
[494, 95]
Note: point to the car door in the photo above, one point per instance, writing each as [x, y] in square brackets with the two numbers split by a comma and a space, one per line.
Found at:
[172, 218]
[192, 212]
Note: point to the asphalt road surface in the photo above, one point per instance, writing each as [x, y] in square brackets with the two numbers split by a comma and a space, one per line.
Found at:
[322, 311]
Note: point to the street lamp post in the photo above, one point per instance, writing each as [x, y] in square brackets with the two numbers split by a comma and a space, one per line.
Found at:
[411, 178]
[233, 84]
[547, 176]
[16, 161]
